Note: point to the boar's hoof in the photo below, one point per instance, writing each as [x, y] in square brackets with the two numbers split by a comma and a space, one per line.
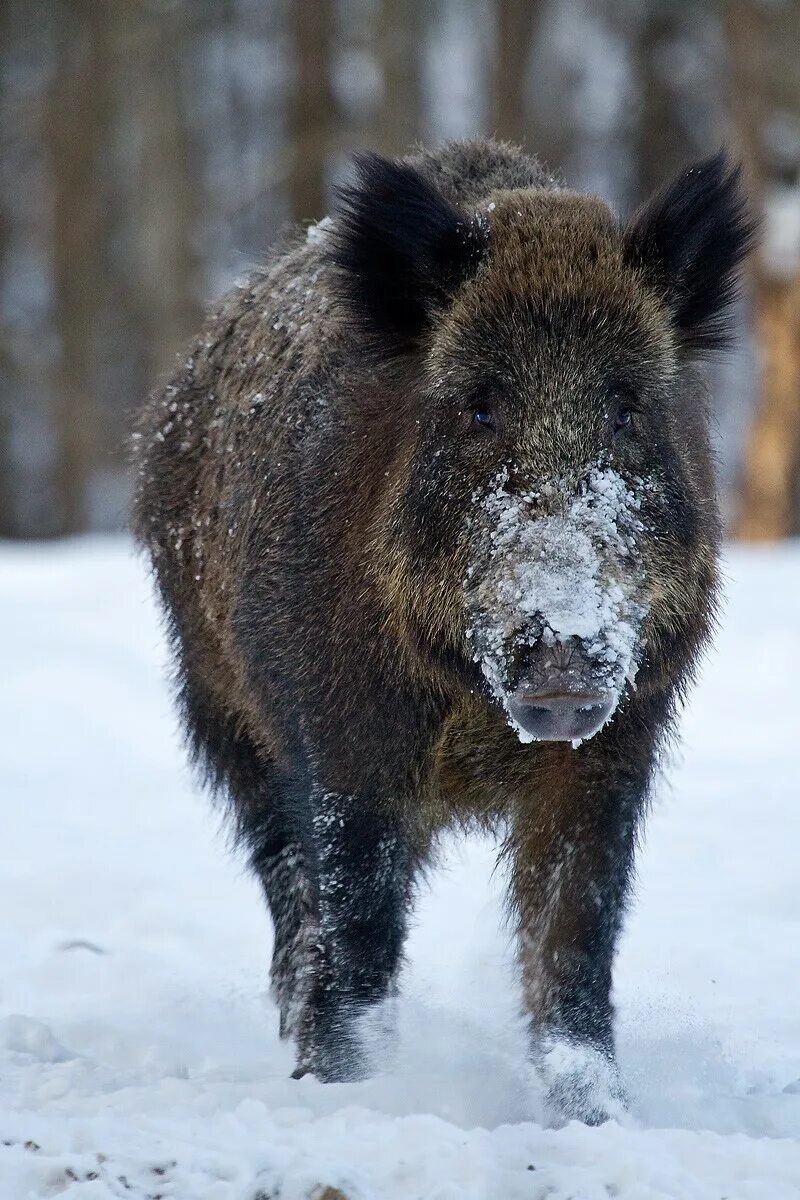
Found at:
[581, 1084]
[333, 1054]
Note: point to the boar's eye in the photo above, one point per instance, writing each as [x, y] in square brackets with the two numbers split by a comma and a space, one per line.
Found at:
[483, 418]
[622, 413]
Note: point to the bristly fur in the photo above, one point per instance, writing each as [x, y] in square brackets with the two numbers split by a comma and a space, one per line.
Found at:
[312, 520]
[691, 238]
[403, 249]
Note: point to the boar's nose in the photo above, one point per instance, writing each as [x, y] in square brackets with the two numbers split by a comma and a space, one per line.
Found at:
[561, 716]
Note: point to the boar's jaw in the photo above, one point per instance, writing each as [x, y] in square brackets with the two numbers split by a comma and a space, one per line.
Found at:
[554, 603]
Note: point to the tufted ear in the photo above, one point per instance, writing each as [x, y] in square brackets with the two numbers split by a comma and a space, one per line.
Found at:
[402, 250]
[690, 239]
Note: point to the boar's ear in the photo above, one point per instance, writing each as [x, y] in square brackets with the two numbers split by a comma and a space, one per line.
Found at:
[402, 249]
[690, 239]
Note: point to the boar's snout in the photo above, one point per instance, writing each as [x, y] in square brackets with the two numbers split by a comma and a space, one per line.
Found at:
[561, 716]
[558, 696]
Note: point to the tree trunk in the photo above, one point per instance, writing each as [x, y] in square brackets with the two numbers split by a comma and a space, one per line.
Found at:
[769, 497]
[310, 108]
[666, 134]
[166, 205]
[746, 36]
[400, 34]
[74, 131]
[515, 23]
[7, 522]
[6, 360]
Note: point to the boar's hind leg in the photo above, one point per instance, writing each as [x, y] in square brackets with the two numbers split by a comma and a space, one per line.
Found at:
[269, 805]
[364, 872]
[572, 849]
[263, 800]
[277, 859]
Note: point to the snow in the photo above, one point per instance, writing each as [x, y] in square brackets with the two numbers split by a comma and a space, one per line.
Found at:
[316, 234]
[139, 1054]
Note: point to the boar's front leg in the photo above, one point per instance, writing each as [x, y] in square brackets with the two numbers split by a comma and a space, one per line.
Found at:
[363, 868]
[572, 850]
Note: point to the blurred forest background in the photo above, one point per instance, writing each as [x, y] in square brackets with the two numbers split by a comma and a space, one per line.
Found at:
[152, 150]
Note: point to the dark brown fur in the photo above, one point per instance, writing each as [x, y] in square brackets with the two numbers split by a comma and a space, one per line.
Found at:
[310, 548]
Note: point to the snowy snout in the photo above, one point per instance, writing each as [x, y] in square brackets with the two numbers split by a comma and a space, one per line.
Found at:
[561, 716]
[559, 694]
[555, 606]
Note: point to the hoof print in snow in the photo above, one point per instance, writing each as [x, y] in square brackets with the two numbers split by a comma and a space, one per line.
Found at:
[70, 1176]
[161, 1171]
[81, 944]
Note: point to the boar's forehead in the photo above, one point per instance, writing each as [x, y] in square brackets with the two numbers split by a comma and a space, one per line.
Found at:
[555, 305]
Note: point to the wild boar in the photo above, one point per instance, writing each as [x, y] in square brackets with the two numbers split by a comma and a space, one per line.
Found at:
[431, 510]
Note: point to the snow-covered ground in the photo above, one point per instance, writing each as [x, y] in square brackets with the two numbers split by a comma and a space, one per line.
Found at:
[139, 1056]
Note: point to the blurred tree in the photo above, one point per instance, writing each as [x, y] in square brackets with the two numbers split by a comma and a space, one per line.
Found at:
[764, 80]
[7, 523]
[675, 86]
[311, 108]
[6, 366]
[76, 117]
[400, 46]
[165, 202]
[7, 515]
[515, 24]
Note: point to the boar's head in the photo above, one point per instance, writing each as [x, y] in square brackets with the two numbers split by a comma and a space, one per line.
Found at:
[552, 528]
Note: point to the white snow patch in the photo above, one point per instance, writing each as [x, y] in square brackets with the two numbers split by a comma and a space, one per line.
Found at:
[158, 1061]
[316, 234]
